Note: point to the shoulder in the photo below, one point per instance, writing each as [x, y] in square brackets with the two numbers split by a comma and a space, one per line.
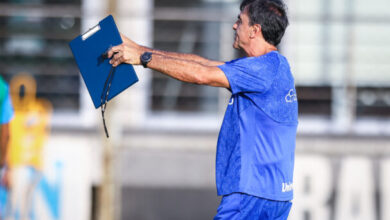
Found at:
[270, 55]
[272, 59]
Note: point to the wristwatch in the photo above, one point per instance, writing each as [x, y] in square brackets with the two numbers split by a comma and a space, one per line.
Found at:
[146, 58]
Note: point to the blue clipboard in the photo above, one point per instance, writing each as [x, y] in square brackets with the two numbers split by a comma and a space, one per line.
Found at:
[88, 49]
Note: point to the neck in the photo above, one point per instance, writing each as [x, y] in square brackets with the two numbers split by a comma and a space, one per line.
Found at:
[259, 49]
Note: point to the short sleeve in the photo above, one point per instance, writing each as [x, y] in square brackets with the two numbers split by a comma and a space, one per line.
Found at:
[7, 112]
[251, 74]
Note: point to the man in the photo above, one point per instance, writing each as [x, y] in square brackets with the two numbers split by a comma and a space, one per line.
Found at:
[256, 144]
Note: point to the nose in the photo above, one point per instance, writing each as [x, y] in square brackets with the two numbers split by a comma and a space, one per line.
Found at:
[235, 26]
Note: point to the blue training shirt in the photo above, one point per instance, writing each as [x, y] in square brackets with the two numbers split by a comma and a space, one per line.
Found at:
[256, 144]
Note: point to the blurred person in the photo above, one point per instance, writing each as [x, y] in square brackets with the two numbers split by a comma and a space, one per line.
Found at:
[256, 144]
[30, 129]
[6, 114]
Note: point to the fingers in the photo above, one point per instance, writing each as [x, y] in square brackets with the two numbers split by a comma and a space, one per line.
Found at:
[117, 59]
[114, 49]
[116, 55]
[124, 54]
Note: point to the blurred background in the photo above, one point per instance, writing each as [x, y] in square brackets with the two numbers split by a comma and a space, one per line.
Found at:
[159, 160]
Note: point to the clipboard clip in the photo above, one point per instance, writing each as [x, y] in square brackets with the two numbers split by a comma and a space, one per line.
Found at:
[90, 32]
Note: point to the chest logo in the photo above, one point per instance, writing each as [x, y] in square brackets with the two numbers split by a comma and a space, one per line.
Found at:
[291, 96]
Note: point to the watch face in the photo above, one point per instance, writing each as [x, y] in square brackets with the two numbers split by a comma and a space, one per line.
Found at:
[146, 57]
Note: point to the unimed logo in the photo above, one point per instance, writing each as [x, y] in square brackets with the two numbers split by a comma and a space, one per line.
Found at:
[291, 96]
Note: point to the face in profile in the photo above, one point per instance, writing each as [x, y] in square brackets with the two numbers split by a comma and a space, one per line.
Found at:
[241, 30]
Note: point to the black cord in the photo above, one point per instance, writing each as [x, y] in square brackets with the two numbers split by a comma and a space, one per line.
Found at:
[104, 97]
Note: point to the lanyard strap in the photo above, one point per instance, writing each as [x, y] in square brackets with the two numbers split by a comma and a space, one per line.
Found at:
[104, 97]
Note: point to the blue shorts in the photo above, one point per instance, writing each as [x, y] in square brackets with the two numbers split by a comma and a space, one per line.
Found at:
[242, 206]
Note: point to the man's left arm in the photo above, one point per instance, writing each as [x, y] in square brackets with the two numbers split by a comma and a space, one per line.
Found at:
[181, 69]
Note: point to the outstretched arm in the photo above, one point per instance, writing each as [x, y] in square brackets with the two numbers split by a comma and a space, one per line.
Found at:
[181, 68]
[183, 56]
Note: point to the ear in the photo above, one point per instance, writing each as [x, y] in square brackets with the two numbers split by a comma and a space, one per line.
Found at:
[255, 30]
